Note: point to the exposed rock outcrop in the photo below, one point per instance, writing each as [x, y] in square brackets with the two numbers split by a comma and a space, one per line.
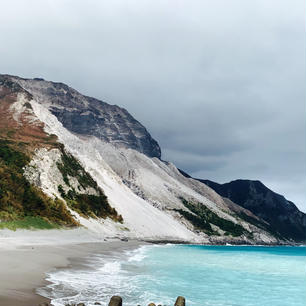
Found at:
[89, 116]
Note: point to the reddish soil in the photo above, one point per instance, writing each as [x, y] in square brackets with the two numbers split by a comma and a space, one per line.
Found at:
[26, 130]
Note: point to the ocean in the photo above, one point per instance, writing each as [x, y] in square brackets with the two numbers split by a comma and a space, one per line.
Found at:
[204, 275]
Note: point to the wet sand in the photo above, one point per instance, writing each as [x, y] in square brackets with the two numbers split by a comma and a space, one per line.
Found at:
[23, 267]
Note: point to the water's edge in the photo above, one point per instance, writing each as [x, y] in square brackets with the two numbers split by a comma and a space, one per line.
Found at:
[125, 272]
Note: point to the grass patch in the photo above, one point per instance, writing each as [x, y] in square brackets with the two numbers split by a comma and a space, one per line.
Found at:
[28, 223]
[198, 222]
[201, 217]
[70, 166]
[11, 157]
[89, 205]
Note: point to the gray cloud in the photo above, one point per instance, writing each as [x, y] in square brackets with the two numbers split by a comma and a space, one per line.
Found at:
[220, 84]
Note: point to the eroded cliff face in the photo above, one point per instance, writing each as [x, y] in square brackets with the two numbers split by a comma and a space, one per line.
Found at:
[106, 167]
[40, 181]
[89, 116]
[56, 178]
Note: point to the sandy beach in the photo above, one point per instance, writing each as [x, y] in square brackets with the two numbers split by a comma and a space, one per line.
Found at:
[26, 256]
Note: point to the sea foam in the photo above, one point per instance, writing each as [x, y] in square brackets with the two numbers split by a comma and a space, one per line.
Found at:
[205, 275]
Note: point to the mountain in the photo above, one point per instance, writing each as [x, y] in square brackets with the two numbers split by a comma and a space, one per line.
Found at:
[283, 217]
[88, 116]
[70, 160]
[22, 189]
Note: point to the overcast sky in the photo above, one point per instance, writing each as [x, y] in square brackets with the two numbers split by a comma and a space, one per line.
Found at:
[220, 84]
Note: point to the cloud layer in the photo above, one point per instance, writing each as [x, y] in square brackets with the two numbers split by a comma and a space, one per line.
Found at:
[220, 84]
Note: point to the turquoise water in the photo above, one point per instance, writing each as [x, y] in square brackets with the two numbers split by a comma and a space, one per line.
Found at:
[205, 275]
[227, 275]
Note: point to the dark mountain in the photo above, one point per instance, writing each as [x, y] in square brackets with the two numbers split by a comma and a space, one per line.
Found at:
[91, 117]
[282, 215]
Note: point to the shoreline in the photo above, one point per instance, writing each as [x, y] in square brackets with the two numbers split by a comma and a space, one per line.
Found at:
[224, 243]
[24, 265]
[26, 257]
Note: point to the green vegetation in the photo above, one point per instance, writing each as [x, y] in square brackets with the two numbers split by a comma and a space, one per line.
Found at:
[202, 218]
[19, 200]
[87, 205]
[198, 222]
[69, 166]
[23, 205]
[11, 157]
[28, 223]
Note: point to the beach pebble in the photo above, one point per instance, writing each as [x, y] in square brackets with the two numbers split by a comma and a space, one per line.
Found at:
[151, 304]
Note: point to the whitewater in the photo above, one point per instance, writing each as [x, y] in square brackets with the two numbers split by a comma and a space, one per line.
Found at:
[205, 275]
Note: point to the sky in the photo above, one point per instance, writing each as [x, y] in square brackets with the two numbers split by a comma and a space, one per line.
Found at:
[220, 84]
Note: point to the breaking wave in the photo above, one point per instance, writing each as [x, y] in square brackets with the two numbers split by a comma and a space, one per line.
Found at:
[205, 275]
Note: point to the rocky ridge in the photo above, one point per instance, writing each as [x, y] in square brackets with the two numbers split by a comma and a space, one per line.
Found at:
[85, 116]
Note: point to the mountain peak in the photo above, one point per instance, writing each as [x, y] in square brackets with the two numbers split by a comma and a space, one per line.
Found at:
[88, 116]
